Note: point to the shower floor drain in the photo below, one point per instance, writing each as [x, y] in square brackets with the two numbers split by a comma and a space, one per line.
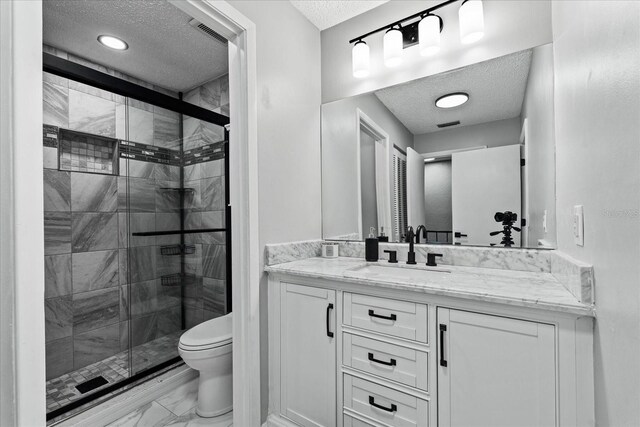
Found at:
[92, 384]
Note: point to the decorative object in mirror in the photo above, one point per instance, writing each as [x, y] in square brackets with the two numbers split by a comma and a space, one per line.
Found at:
[446, 152]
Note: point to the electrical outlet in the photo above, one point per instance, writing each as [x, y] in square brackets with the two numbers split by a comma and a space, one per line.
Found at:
[544, 221]
[578, 225]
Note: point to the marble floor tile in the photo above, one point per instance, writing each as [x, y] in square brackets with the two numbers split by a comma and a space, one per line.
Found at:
[214, 263]
[181, 399]
[140, 127]
[57, 233]
[94, 270]
[95, 345]
[91, 114]
[151, 414]
[59, 357]
[94, 231]
[93, 193]
[57, 275]
[58, 317]
[57, 191]
[95, 309]
[55, 100]
[191, 419]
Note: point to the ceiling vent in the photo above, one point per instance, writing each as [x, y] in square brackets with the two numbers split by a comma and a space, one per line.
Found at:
[446, 125]
[206, 30]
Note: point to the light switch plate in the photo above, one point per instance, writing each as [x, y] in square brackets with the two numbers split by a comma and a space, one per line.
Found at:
[578, 225]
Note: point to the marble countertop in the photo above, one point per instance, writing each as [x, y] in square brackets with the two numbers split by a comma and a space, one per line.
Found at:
[516, 288]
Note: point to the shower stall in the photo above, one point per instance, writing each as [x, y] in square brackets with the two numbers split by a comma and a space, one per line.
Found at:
[136, 221]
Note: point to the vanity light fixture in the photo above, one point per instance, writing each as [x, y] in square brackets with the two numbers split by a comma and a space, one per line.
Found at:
[452, 100]
[471, 17]
[360, 59]
[393, 47]
[429, 30]
[112, 42]
[422, 28]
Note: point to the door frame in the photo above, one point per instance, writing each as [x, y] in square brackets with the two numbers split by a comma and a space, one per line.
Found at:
[22, 391]
[380, 136]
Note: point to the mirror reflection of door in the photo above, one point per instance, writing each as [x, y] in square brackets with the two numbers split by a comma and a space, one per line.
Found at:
[415, 189]
[484, 182]
[369, 200]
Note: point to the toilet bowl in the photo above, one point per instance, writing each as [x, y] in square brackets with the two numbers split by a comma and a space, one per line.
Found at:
[207, 348]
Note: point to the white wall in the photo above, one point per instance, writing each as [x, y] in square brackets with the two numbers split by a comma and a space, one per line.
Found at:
[491, 134]
[288, 86]
[22, 249]
[339, 158]
[597, 108]
[510, 26]
[540, 146]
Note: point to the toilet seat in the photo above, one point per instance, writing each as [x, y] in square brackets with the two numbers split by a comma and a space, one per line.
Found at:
[208, 335]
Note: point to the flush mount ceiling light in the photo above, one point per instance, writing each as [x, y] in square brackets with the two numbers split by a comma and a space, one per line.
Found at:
[360, 60]
[430, 159]
[423, 29]
[113, 42]
[452, 100]
[471, 16]
[393, 47]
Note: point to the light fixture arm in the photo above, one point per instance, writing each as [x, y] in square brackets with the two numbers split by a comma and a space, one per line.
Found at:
[399, 22]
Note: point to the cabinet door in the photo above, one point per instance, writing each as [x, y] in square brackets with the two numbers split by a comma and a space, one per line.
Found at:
[308, 355]
[495, 371]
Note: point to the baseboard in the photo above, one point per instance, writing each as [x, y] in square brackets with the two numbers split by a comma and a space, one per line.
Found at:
[274, 420]
[124, 403]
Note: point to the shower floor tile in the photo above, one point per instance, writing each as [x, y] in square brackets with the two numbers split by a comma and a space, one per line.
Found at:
[62, 390]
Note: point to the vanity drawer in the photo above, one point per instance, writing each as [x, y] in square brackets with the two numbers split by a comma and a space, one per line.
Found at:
[390, 361]
[384, 405]
[402, 319]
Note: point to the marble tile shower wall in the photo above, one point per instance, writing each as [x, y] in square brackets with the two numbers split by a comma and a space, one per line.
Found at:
[214, 96]
[101, 283]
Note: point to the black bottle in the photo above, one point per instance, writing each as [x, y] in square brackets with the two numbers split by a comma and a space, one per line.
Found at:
[371, 247]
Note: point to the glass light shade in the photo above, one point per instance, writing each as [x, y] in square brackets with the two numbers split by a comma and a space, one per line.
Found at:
[392, 43]
[113, 42]
[471, 18]
[360, 60]
[429, 35]
[452, 100]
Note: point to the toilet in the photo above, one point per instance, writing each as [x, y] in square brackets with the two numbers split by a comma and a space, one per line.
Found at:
[207, 348]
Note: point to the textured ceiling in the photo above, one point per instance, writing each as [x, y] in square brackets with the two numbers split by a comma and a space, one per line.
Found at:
[327, 13]
[496, 91]
[163, 48]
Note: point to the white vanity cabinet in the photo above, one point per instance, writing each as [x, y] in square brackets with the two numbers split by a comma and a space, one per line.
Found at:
[495, 371]
[308, 355]
[345, 354]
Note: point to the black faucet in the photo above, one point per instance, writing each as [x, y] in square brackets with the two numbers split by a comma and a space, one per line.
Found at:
[411, 256]
[431, 259]
[424, 233]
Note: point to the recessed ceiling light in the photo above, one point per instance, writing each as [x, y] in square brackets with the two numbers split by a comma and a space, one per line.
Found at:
[451, 100]
[113, 42]
[430, 159]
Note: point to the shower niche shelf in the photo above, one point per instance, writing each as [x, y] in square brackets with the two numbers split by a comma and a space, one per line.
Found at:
[171, 250]
[178, 279]
[84, 152]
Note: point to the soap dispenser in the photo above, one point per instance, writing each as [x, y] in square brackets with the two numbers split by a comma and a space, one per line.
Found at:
[371, 246]
[382, 237]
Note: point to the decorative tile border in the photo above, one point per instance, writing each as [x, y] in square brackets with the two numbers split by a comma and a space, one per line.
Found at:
[203, 154]
[149, 153]
[50, 136]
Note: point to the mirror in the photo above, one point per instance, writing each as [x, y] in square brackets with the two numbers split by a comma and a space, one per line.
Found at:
[480, 173]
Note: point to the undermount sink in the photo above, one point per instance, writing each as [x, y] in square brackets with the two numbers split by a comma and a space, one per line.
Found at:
[394, 273]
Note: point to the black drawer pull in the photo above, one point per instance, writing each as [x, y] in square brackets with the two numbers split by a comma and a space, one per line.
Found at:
[391, 317]
[443, 361]
[373, 403]
[391, 362]
[329, 333]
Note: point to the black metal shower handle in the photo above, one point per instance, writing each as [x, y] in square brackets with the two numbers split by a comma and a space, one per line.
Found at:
[391, 317]
[372, 402]
[329, 308]
[443, 329]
